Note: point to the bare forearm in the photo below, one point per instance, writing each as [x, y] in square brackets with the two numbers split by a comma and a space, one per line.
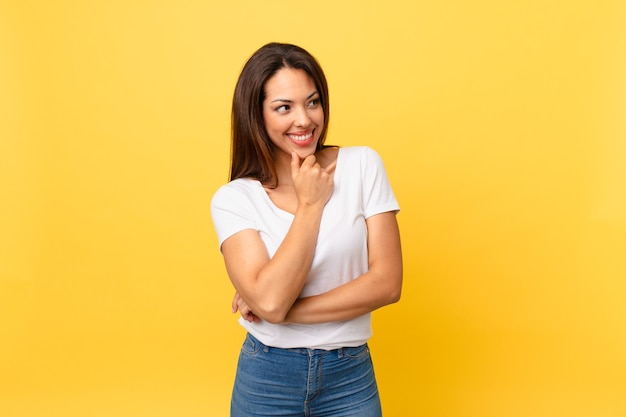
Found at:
[270, 286]
[361, 296]
[281, 280]
[381, 285]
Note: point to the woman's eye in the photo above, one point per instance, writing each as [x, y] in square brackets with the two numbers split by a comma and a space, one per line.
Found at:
[282, 109]
[314, 102]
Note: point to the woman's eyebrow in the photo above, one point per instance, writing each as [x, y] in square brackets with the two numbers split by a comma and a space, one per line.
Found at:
[286, 100]
[282, 100]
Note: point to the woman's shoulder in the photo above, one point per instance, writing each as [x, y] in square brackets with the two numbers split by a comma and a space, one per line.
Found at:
[241, 184]
[236, 189]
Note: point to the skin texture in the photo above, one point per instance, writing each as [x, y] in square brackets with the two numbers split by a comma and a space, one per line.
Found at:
[267, 288]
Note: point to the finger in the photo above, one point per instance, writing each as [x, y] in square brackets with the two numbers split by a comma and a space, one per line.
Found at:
[295, 164]
[235, 303]
[246, 313]
[252, 318]
[309, 161]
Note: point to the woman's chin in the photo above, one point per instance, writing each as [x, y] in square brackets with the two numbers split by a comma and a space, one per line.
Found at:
[303, 153]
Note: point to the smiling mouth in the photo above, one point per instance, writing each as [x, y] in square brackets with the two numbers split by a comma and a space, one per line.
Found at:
[301, 138]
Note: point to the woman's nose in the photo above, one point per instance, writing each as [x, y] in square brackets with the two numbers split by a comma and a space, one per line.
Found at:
[302, 117]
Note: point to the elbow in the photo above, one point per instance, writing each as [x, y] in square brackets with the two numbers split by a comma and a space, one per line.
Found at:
[394, 295]
[274, 318]
[395, 290]
[272, 313]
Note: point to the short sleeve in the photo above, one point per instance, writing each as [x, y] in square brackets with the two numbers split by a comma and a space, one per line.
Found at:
[231, 211]
[378, 196]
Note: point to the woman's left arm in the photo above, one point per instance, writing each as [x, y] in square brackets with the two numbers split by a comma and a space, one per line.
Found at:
[379, 286]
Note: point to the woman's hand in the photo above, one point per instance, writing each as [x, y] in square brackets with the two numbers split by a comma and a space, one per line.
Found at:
[241, 306]
[313, 184]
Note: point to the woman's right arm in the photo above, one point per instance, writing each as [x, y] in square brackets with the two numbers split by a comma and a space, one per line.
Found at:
[269, 287]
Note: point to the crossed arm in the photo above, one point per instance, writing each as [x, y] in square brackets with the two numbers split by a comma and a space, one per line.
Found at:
[268, 288]
[277, 300]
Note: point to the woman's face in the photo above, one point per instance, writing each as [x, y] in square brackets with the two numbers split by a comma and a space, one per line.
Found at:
[293, 114]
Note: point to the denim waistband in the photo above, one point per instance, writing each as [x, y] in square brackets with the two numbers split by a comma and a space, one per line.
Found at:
[340, 352]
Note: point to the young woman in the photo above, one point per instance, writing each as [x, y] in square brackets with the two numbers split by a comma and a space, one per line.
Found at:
[311, 244]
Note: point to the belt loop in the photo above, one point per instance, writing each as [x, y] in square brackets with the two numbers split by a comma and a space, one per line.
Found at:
[340, 353]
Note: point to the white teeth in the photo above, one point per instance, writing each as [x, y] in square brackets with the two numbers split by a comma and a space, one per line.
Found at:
[301, 137]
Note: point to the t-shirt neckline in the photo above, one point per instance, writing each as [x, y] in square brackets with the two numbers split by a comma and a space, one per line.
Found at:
[286, 213]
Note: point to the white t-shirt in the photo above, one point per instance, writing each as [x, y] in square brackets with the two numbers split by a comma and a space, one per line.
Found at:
[361, 190]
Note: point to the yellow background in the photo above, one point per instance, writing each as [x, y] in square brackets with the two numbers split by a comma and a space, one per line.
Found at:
[502, 127]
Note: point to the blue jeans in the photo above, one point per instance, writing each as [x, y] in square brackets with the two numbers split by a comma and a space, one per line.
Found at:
[304, 382]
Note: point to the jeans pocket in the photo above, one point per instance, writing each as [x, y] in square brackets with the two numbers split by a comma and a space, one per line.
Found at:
[251, 346]
[358, 352]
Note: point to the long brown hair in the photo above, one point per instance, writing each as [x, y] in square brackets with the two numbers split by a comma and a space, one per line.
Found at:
[252, 152]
